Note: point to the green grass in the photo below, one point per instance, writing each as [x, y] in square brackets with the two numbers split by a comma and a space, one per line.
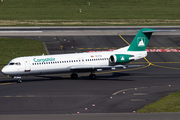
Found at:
[170, 103]
[103, 10]
[14, 47]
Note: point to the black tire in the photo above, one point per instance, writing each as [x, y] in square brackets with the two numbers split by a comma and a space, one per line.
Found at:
[19, 81]
[74, 76]
[92, 76]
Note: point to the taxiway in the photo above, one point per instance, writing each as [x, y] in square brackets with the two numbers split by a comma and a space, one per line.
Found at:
[118, 91]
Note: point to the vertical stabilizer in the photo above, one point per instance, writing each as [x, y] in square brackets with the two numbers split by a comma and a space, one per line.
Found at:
[141, 40]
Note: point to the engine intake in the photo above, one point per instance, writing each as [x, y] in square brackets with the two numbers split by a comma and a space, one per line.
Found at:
[121, 58]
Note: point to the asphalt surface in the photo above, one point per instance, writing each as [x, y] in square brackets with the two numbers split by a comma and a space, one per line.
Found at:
[82, 31]
[118, 91]
[98, 116]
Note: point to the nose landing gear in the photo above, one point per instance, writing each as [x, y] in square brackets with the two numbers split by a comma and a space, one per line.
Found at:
[19, 81]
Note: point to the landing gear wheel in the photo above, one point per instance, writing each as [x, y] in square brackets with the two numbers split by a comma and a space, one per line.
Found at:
[74, 76]
[19, 81]
[92, 76]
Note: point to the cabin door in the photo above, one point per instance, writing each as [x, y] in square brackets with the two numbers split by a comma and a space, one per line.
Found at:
[27, 65]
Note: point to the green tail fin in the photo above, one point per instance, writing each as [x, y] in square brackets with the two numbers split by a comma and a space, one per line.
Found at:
[141, 40]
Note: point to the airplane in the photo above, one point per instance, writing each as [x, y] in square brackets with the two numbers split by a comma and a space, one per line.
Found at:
[81, 62]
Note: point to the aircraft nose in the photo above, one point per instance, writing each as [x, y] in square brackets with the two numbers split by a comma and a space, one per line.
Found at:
[4, 70]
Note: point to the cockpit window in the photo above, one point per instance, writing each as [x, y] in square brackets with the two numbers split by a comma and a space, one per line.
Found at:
[16, 63]
[11, 63]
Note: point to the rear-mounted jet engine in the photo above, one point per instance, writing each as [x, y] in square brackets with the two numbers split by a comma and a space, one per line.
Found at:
[121, 58]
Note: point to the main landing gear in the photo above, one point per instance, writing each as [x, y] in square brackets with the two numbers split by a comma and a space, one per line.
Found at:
[75, 76]
[92, 76]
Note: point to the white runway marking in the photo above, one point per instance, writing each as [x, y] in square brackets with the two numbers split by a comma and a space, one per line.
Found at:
[21, 31]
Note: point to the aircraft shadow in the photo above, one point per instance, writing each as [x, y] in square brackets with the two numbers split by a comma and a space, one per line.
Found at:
[109, 77]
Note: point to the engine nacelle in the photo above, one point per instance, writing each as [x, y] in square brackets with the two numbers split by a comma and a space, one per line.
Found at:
[121, 58]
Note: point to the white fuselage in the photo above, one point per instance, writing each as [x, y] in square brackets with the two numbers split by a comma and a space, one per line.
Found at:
[48, 64]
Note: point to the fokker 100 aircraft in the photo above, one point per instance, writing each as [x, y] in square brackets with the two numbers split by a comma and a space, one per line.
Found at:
[81, 62]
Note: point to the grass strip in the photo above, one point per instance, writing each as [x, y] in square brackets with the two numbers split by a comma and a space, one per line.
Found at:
[15, 47]
[104, 22]
[170, 103]
[89, 12]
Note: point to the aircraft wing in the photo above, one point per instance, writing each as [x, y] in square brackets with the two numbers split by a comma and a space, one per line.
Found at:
[87, 68]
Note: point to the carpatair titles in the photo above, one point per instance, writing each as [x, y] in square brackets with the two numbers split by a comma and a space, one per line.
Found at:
[44, 60]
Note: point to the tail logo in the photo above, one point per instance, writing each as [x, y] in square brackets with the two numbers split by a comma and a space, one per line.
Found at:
[141, 41]
[122, 58]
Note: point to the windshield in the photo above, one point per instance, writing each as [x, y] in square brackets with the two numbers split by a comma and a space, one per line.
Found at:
[16, 63]
[11, 63]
